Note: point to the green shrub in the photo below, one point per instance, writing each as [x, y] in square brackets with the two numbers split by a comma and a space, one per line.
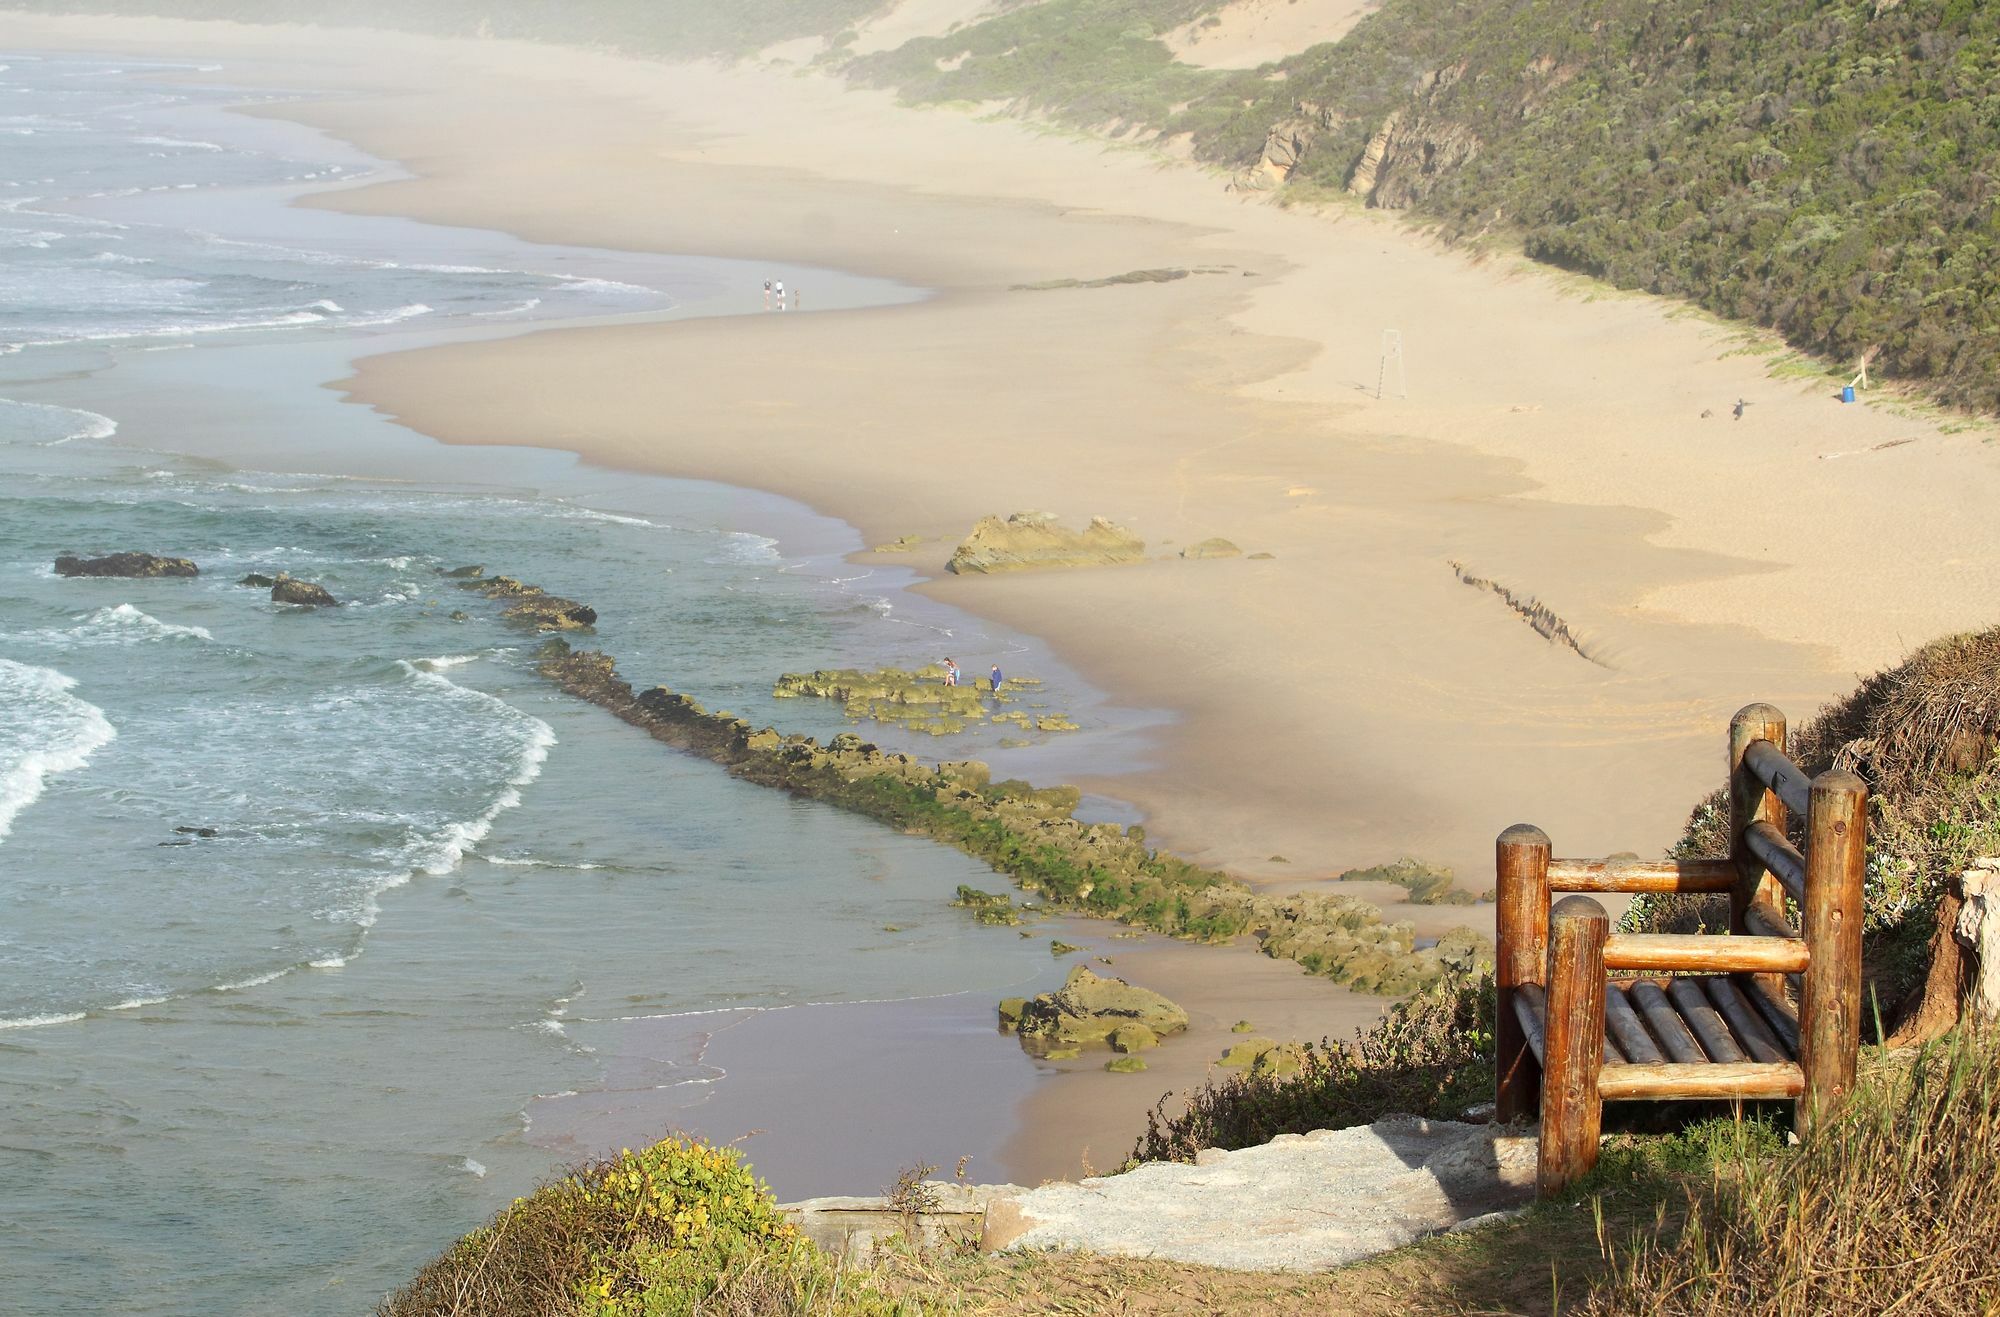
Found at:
[673, 1229]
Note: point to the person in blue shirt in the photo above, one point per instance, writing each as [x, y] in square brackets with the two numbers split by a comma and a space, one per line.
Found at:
[997, 679]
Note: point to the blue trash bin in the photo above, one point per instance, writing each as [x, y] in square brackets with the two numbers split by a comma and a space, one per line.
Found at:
[1847, 393]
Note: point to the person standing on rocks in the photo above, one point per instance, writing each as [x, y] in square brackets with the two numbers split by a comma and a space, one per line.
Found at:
[997, 679]
[950, 673]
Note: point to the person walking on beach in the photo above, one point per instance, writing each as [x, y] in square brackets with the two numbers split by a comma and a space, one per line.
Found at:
[997, 679]
[950, 673]
[767, 294]
[781, 294]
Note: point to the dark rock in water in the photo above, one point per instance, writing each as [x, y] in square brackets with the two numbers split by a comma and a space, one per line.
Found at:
[139, 565]
[466, 573]
[459, 615]
[188, 830]
[183, 841]
[259, 581]
[533, 605]
[305, 594]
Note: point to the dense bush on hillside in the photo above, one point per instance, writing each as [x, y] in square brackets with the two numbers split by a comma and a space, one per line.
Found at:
[1822, 168]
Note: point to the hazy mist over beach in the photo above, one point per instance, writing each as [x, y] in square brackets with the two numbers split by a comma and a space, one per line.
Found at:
[1354, 429]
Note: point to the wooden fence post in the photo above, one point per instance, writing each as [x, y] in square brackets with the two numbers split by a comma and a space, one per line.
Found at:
[1750, 801]
[1572, 1110]
[1521, 864]
[1830, 1004]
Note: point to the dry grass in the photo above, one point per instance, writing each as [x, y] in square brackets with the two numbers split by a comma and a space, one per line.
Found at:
[1891, 1206]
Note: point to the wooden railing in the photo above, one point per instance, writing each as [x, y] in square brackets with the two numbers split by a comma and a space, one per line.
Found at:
[1585, 1016]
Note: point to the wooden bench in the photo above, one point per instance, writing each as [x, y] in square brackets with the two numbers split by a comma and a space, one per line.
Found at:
[1588, 1016]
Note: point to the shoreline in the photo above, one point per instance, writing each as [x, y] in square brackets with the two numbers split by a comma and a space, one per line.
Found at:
[1423, 716]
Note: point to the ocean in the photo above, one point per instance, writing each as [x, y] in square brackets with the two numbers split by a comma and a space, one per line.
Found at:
[323, 934]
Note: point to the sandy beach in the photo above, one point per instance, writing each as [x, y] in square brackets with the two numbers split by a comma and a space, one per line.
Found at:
[1346, 699]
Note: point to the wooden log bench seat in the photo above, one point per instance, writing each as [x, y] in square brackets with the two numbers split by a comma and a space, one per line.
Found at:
[1767, 1011]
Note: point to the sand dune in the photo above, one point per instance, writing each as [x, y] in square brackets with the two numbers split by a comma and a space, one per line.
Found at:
[1249, 34]
[917, 18]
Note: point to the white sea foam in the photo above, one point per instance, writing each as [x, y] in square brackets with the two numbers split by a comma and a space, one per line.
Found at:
[474, 1167]
[37, 1021]
[255, 981]
[532, 863]
[137, 1003]
[44, 730]
[126, 625]
[442, 851]
[521, 307]
[328, 962]
[180, 142]
[66, 423]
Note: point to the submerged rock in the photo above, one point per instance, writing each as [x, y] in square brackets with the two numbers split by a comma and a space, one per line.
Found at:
[135, 565]
[1125, 1065]
[258, 581]
[466, 573]
[1214, 547]
[1035, 540]
[1089, 1008]
[289, 590]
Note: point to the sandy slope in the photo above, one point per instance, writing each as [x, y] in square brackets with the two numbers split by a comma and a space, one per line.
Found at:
[1251, 33]
[1343, 701]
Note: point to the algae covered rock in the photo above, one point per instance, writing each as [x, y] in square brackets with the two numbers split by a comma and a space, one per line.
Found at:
[1010, 1012]
[987, 907]
[1132, 1038]
[901, 544]
[140, 566]
[304, 594]
[1427, 884]
[1089, 1008]
[1213, 547]
[1125, 1065]
[1030, 540]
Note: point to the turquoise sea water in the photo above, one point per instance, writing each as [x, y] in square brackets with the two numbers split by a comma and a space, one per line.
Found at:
[323, 934]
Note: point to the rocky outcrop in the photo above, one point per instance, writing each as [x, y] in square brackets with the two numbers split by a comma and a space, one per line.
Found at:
[917, 700]
[1090, 1009]
[530, 605]
[1413, 147]
[1978, 931]
[1406, 156]
[258, 581]
[1302, 1202]
[140, 566]
[290, 590]
[1286, 146]
[1030, 834]
[1213, 547]
[1029, 540]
